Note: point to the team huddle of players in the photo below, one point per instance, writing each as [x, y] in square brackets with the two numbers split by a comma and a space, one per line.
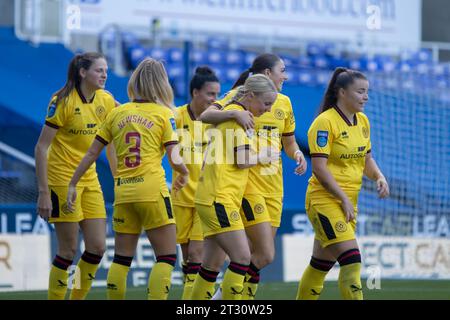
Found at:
[226, 199]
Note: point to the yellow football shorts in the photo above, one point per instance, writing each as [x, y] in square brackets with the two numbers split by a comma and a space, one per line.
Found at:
[328, 221]
[88, 205]
[219, 218]
[189, 226]
[132, 218]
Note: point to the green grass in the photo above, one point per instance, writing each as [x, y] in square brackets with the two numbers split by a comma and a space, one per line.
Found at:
[390, 290]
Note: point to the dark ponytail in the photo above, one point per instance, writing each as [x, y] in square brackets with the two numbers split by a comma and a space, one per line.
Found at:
[262, 62]
[202, 75]
[73, 81]
[341, 79]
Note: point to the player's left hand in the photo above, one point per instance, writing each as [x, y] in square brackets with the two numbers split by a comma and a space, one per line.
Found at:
[382, 187]
[71, 197]
[302, 165]
[180, 182]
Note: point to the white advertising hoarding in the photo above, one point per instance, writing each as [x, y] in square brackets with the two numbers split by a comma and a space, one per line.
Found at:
[374, 21]
[387, 257]
[24, 262]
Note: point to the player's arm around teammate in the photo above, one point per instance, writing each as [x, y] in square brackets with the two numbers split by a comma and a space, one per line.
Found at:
[339, 140]
[73, 116]
[204, 88]
[220, 190]
[262, 203]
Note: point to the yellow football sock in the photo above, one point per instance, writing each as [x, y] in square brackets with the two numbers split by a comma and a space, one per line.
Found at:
[350, 275]
[251, 283]
[160, 280]
[84, 275]
[311, 283]
[233, 281]
[57, 283]
[191, 274]
[117, 277]
[204, 285]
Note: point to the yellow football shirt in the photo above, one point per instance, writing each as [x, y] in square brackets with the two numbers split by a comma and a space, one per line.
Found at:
[140, 132]
[345, 145]
[221, 180]
[193, 141]
[77, 121]
[267, 180]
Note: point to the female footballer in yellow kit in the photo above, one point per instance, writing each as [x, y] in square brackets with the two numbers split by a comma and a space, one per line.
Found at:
[339, 141]
[204, 88]
[142, 130]
[73, 117]
[263, 197]
[221, 188]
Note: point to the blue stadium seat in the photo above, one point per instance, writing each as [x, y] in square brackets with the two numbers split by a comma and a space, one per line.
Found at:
[235, 58]
[232, 74]
[175, 70]
[306, 77]
[304, 61]
[218, 43]
[159, 54]
[137, 54]
[199, 57]
[314, 49]
[175, 55]
[249, 57]
[216, 57]
[321, 62]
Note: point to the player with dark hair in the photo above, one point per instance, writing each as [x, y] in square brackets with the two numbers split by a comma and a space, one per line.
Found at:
[204, 88]
[262, 204]
[339, 140]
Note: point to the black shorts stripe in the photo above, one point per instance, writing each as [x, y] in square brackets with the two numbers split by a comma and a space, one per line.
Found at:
[326, 226]
[168, 207]
[248, 211]
[222, 215]
[55, 204]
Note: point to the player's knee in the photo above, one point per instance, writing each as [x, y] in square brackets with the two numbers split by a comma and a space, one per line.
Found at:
[241, 257]
[195, 255]
[97, 249]
[67, 252]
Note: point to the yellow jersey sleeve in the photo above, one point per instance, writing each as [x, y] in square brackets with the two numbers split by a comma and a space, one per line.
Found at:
[320, 137]
[57, 114]
[170, 135]
[220, 104]
[104, 134]
[289, 122]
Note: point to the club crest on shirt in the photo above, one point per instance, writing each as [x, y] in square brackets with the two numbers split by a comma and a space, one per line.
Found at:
[279, 114]
[51, 110]
[365, 132]
[100, 111]
[322, 138]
